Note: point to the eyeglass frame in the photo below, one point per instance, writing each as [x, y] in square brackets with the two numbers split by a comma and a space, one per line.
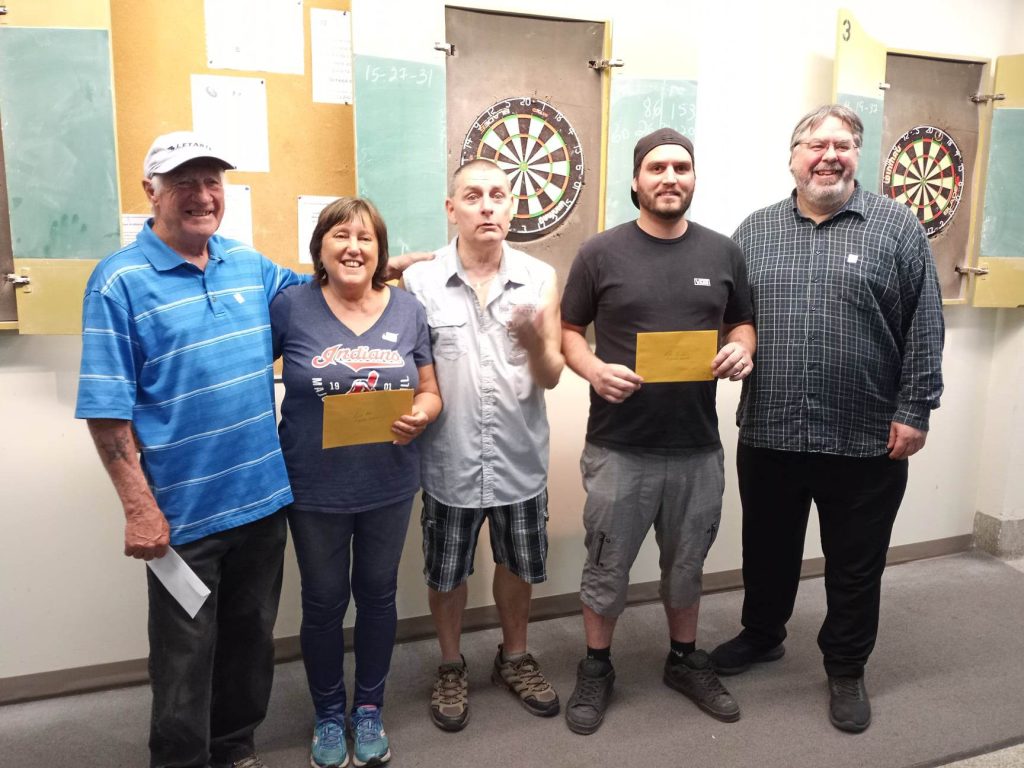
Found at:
[840, 150]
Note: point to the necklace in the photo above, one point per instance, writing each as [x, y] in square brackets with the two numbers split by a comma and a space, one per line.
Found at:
[479, 285]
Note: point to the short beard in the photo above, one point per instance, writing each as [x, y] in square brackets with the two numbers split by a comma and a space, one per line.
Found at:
[647, 203]
[828, 198]
[825, 198]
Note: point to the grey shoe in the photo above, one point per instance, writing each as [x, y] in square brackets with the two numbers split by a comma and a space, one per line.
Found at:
[449, 701]
[694, 677]
[848, 707]
[585, 711]
[524, 678]
[736, 655]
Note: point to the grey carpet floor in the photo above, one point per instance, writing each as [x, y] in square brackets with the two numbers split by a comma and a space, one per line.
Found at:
[946, 681]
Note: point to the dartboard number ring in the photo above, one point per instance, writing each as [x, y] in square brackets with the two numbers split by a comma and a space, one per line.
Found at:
[534, 143]
[925, 172]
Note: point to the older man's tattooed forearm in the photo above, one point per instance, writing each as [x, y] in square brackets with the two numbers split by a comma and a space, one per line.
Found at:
[116, 448]
[114, 441]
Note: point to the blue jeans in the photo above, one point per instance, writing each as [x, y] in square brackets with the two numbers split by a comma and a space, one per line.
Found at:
[328, 546]
[211, 675]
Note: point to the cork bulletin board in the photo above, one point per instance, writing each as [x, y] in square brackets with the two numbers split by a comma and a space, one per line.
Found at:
[157, 47]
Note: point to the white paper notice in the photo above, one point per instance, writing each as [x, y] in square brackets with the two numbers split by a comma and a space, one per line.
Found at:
[330, 43]
[256, 35]
[237, 221]
[181, 581]
[309, 211]
[131, 225]
[232, 112]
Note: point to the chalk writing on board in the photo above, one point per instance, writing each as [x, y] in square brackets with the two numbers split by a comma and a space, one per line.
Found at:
[408, 75]
[863, 106]
[870, 111]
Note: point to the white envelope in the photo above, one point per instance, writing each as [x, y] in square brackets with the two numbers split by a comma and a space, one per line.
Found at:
[181, 581]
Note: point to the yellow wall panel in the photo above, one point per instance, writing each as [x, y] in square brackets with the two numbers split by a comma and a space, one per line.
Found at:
[52, 302]
[57, 13]
[860, 59]
[1003, 286]
[1010, 81]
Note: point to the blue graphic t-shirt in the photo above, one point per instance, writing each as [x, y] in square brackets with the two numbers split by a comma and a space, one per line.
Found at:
[323, 357]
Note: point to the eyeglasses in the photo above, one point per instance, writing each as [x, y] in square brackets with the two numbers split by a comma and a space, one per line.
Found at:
[819, 146]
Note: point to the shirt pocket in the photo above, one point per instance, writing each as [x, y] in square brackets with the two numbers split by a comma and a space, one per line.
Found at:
[863, 281]
[447, 333]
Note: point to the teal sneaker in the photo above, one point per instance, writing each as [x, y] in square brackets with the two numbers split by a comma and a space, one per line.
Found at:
[328, 749]
[370, 743]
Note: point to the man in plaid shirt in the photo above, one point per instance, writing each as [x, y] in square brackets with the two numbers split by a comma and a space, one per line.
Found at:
[850, 334]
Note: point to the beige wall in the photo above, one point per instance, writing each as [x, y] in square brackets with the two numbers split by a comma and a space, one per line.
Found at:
[68, 598]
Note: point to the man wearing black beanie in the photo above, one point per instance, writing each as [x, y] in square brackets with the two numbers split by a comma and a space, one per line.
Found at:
[653, 456]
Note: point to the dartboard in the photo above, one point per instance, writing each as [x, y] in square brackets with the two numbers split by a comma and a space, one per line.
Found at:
[925, 172]
[534, 143]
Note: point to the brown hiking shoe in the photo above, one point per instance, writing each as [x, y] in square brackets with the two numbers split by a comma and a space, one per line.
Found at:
[524, 678]
[449, 702]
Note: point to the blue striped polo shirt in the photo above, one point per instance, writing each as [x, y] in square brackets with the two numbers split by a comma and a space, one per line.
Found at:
[185, 355]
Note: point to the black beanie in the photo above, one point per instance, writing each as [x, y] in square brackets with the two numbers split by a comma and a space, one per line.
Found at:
[652, 140]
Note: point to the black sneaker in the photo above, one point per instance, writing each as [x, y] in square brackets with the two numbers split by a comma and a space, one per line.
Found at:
[736, 655]
[585, 710]
[694, 677]
[848, 705]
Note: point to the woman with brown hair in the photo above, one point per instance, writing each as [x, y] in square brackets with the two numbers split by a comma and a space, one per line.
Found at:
[348, 332]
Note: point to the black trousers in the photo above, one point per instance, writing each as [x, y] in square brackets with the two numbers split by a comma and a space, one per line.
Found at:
[211, 675]
[857, 501]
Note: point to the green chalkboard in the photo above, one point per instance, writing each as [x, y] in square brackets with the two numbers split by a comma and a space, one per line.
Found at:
[1002, 230]
[869, 168]
[637, 107]
[401, 162]
[58, 133]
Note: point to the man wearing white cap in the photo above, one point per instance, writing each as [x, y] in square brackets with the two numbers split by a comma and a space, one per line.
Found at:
[653, 457]
[176, 366]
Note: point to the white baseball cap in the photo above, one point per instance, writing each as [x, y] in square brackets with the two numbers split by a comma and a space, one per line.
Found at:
[177, 148]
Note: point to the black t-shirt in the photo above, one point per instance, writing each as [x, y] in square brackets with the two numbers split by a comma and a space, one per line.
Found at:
[627, 282]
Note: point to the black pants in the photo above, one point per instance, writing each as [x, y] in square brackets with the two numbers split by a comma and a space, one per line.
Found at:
[211, 675]
[857, 501]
